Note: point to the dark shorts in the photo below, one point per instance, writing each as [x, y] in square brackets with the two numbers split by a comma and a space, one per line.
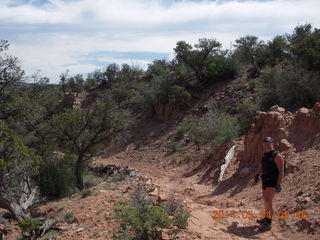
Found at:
[269, 182]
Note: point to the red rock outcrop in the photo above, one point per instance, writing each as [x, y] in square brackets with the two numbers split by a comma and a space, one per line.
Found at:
[164, 111]
[290, 132]
[304, 130]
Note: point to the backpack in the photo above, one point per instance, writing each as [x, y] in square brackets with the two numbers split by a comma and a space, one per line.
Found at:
[285, 165]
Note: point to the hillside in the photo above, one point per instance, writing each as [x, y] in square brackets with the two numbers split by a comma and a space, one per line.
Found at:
[192, 176]
[167, 152]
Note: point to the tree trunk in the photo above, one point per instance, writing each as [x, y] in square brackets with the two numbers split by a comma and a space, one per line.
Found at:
[19, 210]
[78, 172]
[16, 210]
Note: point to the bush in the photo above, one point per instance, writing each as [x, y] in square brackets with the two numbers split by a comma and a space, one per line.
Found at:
[291, 87]
[179, 96]
[145, 100]
[174, 160]
[181, 131]
[174, 146]
[56, 178]
[214, 128]
[181, 217]
[85, 193]
[174, 207]
[188, 156]
[29, 225]
[305, 46]
[252, 84]
[139, 218]
[90, 180]
[69, 217]
[227, 129]
[215, 67]
[120, 176]
[246, 110]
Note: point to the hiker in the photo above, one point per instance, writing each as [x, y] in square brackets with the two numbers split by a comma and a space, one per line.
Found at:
[271, 173]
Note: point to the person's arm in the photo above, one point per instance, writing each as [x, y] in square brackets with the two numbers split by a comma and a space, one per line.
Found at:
[279, 161]
[257, 176]
[260, 171]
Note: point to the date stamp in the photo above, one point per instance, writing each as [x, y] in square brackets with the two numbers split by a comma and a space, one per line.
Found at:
[251, 214]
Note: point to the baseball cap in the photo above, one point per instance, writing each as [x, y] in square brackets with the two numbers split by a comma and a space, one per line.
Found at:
[268, 139]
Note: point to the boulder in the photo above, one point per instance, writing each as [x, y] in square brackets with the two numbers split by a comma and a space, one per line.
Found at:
[291, 132]
[284, 145]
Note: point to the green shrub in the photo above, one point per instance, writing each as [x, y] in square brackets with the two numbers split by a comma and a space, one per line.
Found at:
[174, 146]
[181, 130]
[214, 128]
[305, 46]
[188, 156]
[139, 218]
[29, 225]
[159, 91]
[90, 180]
[172, 205]
[56, 178]
[214, 67]
[145, 100]
[179, 96]
[246, 110]
[85, 193]
[252, 84]
[120, 94]
[174, 160]
[227, 129]
[119, 176]
[69, 217]
[181, 217]
[291, 87]
[175, 208]
[195, 131]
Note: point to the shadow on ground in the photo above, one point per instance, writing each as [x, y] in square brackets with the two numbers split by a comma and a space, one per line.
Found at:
[245, 231]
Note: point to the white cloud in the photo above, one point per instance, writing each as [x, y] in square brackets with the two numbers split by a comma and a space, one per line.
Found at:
[51, 36]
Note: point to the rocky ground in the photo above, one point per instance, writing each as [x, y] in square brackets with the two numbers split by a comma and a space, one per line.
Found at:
[241, 205]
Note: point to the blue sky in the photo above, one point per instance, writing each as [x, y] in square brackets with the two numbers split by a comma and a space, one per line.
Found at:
[52, 36]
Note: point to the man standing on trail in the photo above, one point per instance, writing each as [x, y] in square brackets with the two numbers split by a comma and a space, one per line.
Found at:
[272, 171]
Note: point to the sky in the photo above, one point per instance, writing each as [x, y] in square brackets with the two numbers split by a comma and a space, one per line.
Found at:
[53, 36]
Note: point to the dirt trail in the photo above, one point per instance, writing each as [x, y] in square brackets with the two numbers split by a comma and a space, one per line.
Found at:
[201, 224]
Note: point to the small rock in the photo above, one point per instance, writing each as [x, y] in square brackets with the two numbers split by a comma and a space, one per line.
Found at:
[80, 229]
[229, 205]
[155, 193]
[163, 197]
[127, 189]
[149, 182]
[165, 234]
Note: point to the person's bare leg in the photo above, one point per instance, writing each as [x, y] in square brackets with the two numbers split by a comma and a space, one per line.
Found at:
[268, 195]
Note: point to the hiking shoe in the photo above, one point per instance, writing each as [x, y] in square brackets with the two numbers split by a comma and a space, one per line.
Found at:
[265, 226]
[262, 221]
